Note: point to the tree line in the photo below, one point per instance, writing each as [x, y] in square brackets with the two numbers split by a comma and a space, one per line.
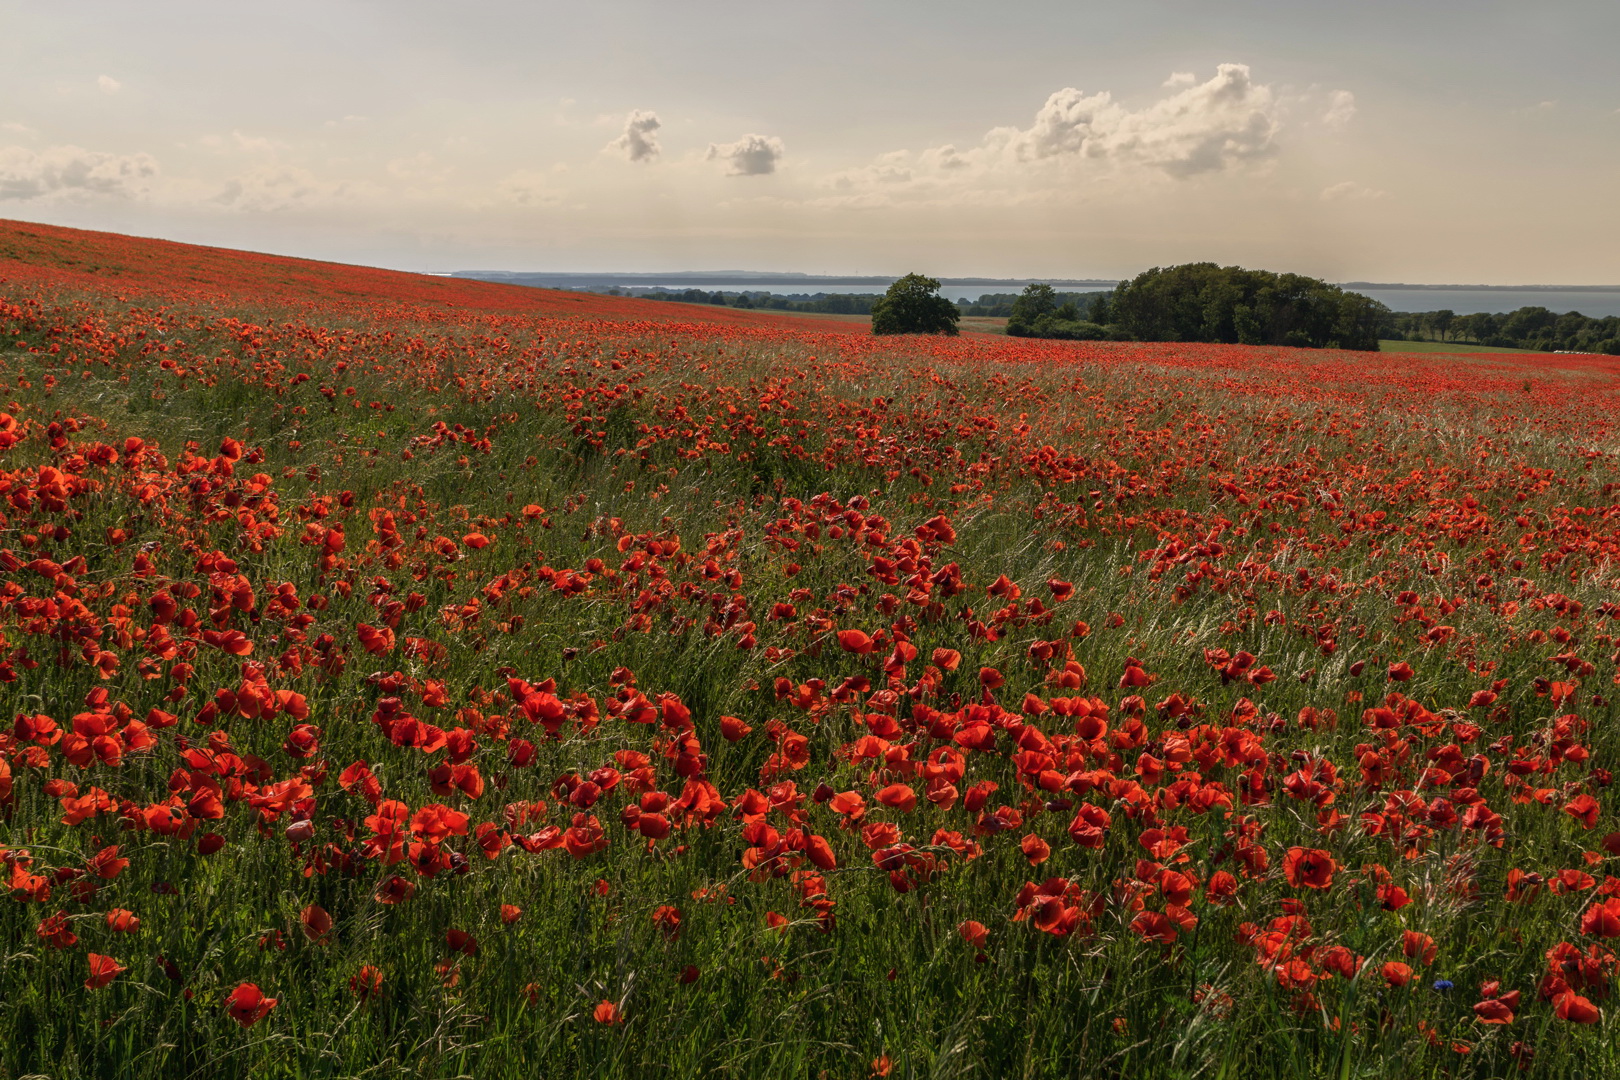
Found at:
[825, 303]
[1000, 305]
[1526, 328]
[1193, 302]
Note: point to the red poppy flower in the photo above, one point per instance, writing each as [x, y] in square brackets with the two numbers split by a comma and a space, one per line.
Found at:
[317, 923]
[1154, 926]
[395, 890]
[366, 983]
[1602, 919]
[1576, 1009]
[55, 931]
[233, 642]
[1416, 946]
[1584, 809]
[820, 853]
[1089, 828]
[937, 529]
[1222, 888]
[103, 970]
[668, 917]
[1498, 1010]
[106, 863]
[855, 641]
[898, 796]
[1340, 961]
[247, 1004]
[608, 1013]
[123, 921]
[974, 933]
[1308, 868]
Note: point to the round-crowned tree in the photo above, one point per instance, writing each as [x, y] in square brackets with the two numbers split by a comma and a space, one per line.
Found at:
[913, 306]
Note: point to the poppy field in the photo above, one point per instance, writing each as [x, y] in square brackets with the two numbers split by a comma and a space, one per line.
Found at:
[413, 677]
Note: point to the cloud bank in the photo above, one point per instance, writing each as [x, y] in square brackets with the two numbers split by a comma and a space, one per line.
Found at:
[32, 174]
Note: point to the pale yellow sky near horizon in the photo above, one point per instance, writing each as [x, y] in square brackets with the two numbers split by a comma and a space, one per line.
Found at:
[1422, 142]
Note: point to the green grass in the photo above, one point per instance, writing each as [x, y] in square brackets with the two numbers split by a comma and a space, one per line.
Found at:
[1444, 347]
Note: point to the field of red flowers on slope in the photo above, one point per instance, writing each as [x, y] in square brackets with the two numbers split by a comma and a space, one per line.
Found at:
[399, 687]
[58, 259]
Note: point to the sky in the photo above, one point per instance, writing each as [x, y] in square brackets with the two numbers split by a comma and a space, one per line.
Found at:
[1433, 141]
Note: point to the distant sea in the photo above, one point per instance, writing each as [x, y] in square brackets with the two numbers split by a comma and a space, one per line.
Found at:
[1595, 303]
[949, 292]
[779, 284]
[1461, 299]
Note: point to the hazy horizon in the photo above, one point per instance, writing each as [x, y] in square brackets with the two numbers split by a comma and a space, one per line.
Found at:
[1449, 142]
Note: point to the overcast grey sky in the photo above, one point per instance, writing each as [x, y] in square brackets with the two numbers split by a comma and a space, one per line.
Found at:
[1427, 140]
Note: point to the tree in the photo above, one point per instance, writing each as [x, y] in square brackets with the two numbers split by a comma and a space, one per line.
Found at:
[1231, 305]
[1042, 312]
[1038, 299]
[1443, 320]
[913, 306]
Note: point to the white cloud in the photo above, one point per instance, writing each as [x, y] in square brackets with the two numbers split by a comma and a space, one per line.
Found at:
[1341, 109]
[1203, 128]
[1192, 128]
[639, 141]
[109, 85]
[1178, 79]
[17, 128]
[30, 174]
[751, 155]
[1350, 191]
